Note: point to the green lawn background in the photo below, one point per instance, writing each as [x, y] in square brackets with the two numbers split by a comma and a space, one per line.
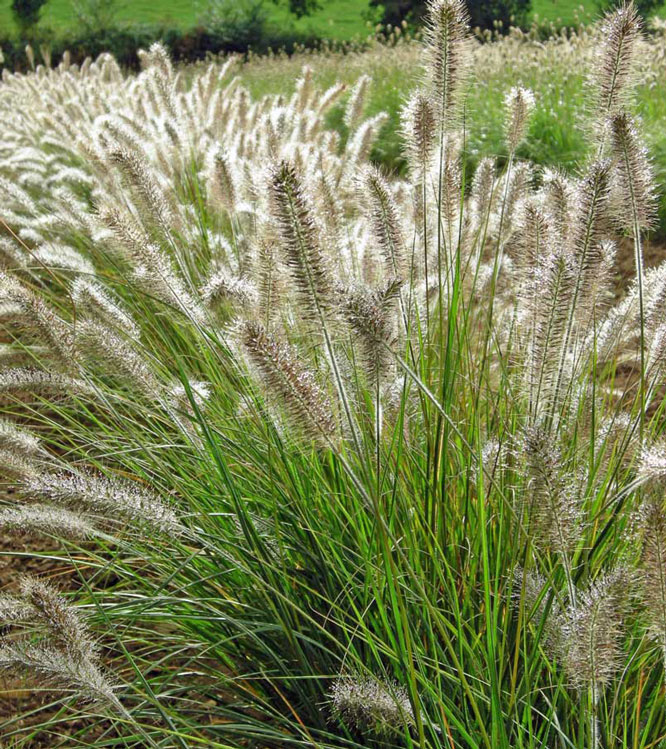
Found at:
[337, 19]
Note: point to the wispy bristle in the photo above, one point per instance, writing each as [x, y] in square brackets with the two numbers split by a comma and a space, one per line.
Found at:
[42, 663]
[652, 466]
[15, 465]
[222, 287]
[291, 383]
[19, 440]
[482, 188]
[14, 609]
[366, 703]
[592, 632]
[419, 130]
[268, 281]
[620, 32]
[447, 36]
[652, 571]
[224, 182]
[635, 206]
[591, 219]
[554, 504]
[518, 106]
[356, 102]
[384, 218]
[38, 317]
[559, 193]
[531, 590]
[534, 236]
[35, 382]
[370, 314]
[67, 628]
[96, 343]
[66, 655]
[151, 195]
[596, 281]
[547, 298]
[54, 521]
[300, 242]
[112, 499]
[95, 301]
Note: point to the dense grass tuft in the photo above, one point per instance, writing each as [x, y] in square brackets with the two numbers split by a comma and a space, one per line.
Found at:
[335, 458]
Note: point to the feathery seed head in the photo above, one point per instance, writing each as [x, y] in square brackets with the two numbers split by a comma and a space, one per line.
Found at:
[419, 130]
[300, 242]
[199, 392]
[94, 301]
[615, 64]
[385, 221]
[356, 102]
[633, 173]
[67, 628]
[222, 287]
[554, 505]
[369, 313]
[224, 181]
[447, 37]
[46, 664]
[652, 466]
[111, 498]
[592, 631]
[518, 105]
[14, 438]
[652, 570]
[54, 521]
[483, 184]
[15, 610]
[366, 703]
[21, 380]
[96, 342]
[591, 220]
[290, 382]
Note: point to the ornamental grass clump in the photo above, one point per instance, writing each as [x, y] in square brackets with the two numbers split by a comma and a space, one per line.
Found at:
[326, 456]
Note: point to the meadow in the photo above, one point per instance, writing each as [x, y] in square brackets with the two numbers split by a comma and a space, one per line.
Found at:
[337, 19]
[557, 72]
[310, 453]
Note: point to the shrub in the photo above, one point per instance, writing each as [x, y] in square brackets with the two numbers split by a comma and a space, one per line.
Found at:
[125, 41]
[645, 8]
[26, 14]
[238, 25]
[336, 458]
[485, 14]
[96, 15]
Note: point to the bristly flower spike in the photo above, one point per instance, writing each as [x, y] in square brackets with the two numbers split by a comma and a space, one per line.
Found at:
[290, 382]
[518, 105]
[635, 204]
[447, 36]
[366, 703]
[384, 218]
[419, 129]
[300, 242]
[613, 71]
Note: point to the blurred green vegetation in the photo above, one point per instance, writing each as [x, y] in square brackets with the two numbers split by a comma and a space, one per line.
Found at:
[336, 19]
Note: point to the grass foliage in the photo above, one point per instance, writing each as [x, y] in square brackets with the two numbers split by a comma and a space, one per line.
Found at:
[333, 458]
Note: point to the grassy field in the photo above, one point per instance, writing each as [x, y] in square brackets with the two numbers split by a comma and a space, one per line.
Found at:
[320, 456]
[555, 72]
[337, 19]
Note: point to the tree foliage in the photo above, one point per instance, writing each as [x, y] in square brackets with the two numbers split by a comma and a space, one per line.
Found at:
[26, 13]
[483, 13]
